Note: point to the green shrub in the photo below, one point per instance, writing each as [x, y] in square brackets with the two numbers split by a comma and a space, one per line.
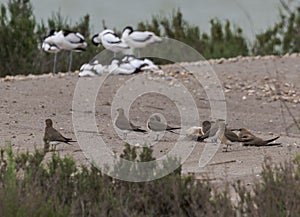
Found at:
[221, 42]
[283, 37]
[18, 49]
[31, 186]
[277, 193]
[21, 39]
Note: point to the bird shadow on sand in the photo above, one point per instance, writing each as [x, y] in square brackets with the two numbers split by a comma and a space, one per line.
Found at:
[246, 148]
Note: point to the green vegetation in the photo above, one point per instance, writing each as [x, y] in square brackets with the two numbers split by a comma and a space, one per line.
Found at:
[221, 42]
[21, 38]
[17, 55]
[283, 37]
[33, 186]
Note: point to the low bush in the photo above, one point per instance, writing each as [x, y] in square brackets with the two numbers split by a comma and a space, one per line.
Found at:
[283, 37]
[31, 186]
[223, 41]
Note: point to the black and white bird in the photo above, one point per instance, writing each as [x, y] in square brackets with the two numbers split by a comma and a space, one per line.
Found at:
[139, 39]
[92, 69]
[110, 41]
[51, 48]
[117, 67]
[68, 40]
[144, 64]
[149, 65]
[131, 59]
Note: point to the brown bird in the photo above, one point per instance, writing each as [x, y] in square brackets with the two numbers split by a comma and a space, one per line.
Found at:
[231, 137]
[206, 125]
[53, 137]
[215, 131]
[252, 140]
[155, 124]
[125, 125]
[208, 129]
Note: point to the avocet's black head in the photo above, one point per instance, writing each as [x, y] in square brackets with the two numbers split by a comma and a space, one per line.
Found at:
[67, 32]
[52, 32]
[96, 40]
[128, 28]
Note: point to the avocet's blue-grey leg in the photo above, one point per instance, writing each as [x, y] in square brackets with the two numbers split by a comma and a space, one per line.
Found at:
[54, 64]
[139, 53]
[70, 64]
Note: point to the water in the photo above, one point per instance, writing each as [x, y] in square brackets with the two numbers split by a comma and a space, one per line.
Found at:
[253, 16]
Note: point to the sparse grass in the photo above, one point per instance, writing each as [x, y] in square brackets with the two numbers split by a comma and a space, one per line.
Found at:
[31, 187]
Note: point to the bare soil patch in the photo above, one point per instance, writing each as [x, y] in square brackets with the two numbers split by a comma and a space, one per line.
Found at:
[250, 90]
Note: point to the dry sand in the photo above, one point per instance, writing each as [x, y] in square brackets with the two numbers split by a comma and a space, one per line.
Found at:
[250, 86]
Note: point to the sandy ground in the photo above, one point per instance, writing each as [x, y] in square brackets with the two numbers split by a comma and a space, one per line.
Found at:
[249, 85]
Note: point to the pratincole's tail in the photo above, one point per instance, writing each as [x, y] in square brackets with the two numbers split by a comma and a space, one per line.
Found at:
[69, 140]
[140, 130]
[271, 140]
